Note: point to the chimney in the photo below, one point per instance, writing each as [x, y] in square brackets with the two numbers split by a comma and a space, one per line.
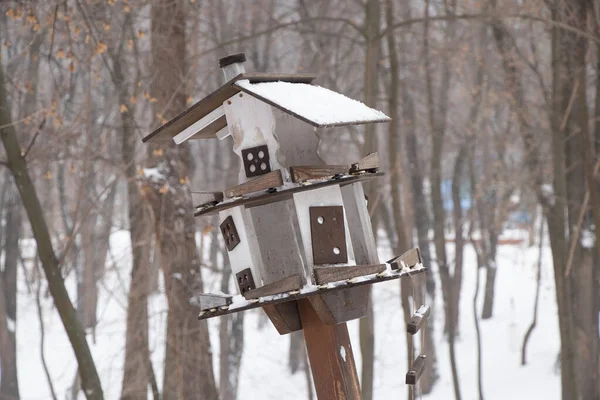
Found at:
[232, 65]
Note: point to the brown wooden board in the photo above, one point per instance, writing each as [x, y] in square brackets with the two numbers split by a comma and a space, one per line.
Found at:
[307, 172]
[166, 132]
[335, 274]
[331, 357]
[415, 372]
[284, 316]
[418, 320]
[230, 234]
[328, 236]
[283, 194]
[272, 179]
[284, 285]
[211, 313]
[245, 280]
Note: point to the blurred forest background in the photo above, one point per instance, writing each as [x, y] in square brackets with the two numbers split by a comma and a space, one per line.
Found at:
[496, 129]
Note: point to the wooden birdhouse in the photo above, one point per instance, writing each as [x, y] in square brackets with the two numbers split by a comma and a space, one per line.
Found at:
[294, 228]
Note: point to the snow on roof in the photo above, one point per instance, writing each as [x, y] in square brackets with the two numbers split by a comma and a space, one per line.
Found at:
[314, 104]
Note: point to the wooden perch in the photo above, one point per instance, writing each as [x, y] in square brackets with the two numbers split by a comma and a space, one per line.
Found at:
[272, 179]
[415, 372]
[410, 258]
[307, 172]
[284, 285]
[368, 163]
[207, 301]
[418, 319]
[334, 274]
[200, 199]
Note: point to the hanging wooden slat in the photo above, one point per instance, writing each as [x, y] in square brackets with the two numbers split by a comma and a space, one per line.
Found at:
[415, 372]
[418, 319]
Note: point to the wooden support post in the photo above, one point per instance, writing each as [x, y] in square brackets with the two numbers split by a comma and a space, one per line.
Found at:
[330, 354]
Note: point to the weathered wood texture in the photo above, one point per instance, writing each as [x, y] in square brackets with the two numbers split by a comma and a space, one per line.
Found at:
[410, 258]
[331, 357]
[335, 274]
[281, 252]
[418, 320]
[203, 198]
[284, 285]
[369, 162]
[214, 100]
[307, 172]
[272, 179]
[415, 372]
[284, 317]
[319, 291]
[267, 198]
[211, 300]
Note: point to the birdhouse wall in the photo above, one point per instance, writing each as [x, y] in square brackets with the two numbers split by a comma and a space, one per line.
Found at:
[251, 124]
[280, 242]
[246, 254]
[327, 196]
[298, 141]
[361, 231]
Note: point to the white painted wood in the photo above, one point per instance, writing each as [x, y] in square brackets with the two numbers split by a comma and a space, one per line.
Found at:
[327, 196]
[251, 123]
[223, 133]
[211, 300]
[233, 70]
[247, 253]
[197, 126]
[361, 231]
[298, 141]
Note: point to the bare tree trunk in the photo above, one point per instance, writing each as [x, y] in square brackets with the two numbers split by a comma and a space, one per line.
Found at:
[372, 56]
[18, 166]
[537, 296]
[188, 365]
[459, 241]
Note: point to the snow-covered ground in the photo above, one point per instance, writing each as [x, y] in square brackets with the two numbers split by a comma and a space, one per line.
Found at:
[264, 364]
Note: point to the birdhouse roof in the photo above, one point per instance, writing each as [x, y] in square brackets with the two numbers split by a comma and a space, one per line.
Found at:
[291, 93]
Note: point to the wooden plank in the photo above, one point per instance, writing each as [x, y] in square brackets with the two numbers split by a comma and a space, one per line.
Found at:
[272, 179]
[211, 300]
[418, 320]
[369, 162]
[284, 317]
[277, 231]
[263, 198]
[410, 258]
[415, 372]
[166, 132]
[318, 291]
[303, 173]
[200, 199]
[343, 305]
[335, 274]
[200, 125]
[331, 357]
[284, 285]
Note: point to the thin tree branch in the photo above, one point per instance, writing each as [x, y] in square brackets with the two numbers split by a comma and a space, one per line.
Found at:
[32, 142]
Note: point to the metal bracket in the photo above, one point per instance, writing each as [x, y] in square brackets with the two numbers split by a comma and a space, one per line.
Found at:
[230, 234]
[245, 280]
[328, 235]
[256, 161]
